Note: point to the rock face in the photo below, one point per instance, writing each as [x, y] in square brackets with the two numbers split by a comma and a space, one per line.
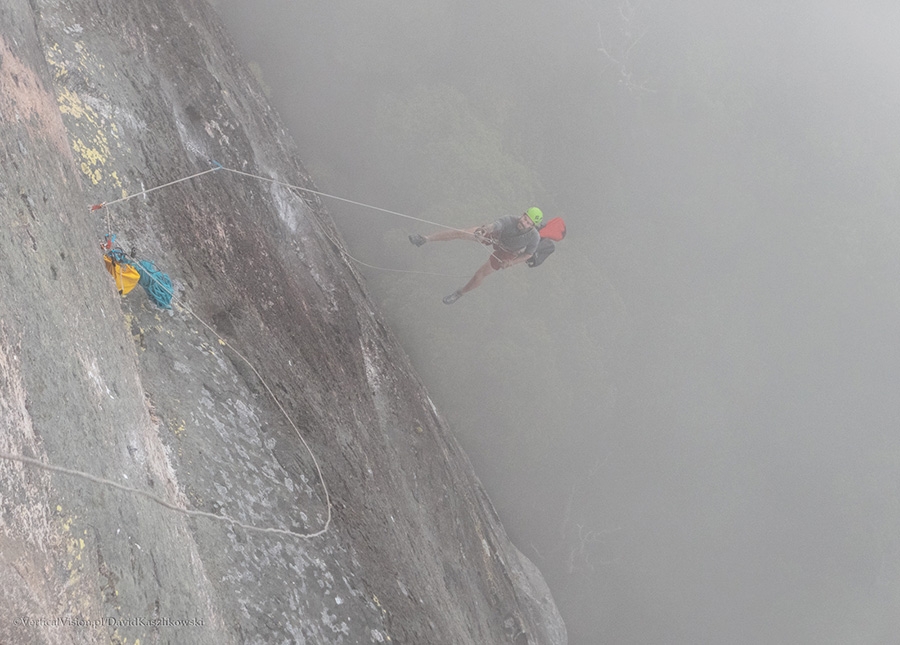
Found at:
[101, 101]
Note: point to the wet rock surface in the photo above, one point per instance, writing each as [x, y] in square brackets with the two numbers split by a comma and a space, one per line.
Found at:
[100, 101]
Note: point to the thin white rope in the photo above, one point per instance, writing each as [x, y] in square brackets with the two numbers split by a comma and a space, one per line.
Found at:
[284, 413]
[224, 518]
[340, 247]
[158, 500]
[341, 199]
[410, 271]
[286, 416]
[150, 190]
[355, 203]
[308, 190]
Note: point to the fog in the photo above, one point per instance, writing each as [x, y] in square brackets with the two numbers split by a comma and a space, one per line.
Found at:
[687, 417]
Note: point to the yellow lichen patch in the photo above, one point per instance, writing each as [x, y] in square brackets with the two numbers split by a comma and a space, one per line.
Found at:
[95, 155]
[74, 550]
[124, 641]
[79, 577]
[70, 103]
[118, 182]
[137, 334]
[53, 56]
[94, 175]
[95, 152]
[74, 547]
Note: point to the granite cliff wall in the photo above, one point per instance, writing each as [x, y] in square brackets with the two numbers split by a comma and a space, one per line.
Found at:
[100, 101]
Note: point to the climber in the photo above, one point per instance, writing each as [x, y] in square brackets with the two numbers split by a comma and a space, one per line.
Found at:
[514, 240]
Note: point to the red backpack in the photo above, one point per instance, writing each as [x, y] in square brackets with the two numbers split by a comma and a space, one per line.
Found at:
[553, 231]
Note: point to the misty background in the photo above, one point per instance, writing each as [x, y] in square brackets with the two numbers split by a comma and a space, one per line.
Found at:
[687, 417]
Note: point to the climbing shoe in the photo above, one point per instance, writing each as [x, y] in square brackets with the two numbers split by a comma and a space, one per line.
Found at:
[453, 297]
[417, 239]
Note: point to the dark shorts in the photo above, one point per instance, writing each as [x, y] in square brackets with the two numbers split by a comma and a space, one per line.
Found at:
[500, 255]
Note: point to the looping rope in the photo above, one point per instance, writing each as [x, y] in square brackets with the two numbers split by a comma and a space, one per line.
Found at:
[159, 286]
[166, 287]
[169, 290]
[158, 500]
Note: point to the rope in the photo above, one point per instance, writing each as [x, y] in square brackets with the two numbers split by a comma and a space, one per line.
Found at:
[225, 343]
[191, 513]
[158, 500]
[340, 199]
[219, 166]
[355, 203]
[97, 207]
[157, 284]
[168, 288]
[372, 266]
[286, 416]
[340, 247]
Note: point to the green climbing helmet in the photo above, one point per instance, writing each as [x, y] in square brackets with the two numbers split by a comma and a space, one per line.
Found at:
[535, 215]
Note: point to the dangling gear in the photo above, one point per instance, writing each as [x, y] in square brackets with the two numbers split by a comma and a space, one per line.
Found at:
[482, 236]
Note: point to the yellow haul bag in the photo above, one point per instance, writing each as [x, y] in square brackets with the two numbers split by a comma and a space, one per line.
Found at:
[125, 275]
